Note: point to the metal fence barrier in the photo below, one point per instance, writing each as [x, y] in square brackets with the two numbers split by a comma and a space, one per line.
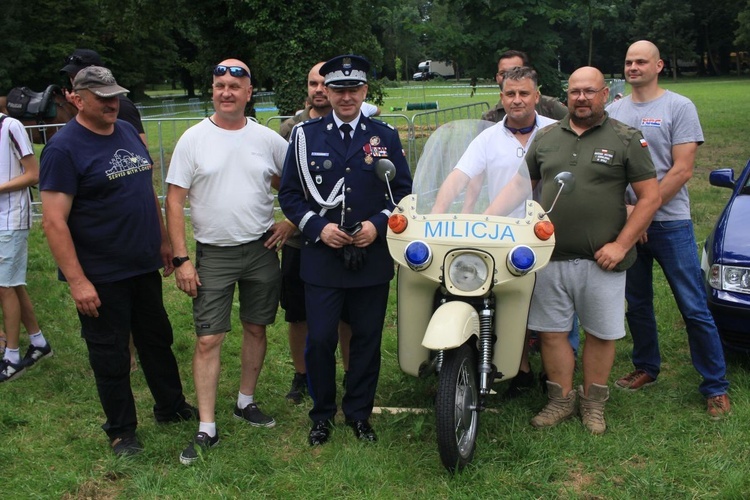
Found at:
[162, 134]
[414, 131]
[426, 122]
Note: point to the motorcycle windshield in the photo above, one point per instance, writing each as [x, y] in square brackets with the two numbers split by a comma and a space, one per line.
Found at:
[463, 170]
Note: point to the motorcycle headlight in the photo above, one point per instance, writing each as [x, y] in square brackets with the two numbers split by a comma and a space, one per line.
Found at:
[468, 272]
[729, 278]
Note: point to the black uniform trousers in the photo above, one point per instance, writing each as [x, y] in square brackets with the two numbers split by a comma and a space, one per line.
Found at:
[366, 307]
[132, 305]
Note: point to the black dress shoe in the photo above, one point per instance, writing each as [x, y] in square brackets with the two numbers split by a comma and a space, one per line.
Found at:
[320, 432]
[363, 430]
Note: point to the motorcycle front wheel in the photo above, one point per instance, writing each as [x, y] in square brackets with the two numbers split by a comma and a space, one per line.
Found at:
[456, 407]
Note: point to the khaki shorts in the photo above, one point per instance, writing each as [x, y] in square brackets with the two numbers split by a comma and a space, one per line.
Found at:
[251, 266]
[580, 286]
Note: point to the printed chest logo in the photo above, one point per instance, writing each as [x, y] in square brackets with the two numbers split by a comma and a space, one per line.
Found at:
[604, 156]
[126, 163]
[650, 122]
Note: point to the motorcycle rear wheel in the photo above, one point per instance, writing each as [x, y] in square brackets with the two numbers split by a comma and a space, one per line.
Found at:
[456, 406]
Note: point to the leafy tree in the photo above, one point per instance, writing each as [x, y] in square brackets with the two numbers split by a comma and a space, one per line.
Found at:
[291, 40]
[474, 33]
[667, 23]
[594, 35]
[715, 37]
[397, 26]
[35, 60]
[742, 33]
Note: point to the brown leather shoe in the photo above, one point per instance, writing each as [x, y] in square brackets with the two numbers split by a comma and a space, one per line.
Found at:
[718, 406]
[635, 380]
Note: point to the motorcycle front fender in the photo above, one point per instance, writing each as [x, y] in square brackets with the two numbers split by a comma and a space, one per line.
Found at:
[452, 324]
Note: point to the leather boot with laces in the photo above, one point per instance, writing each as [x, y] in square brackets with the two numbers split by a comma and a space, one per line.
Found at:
[558, 409]
[592, 407]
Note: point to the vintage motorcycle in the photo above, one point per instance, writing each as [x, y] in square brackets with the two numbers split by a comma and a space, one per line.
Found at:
[464, 285]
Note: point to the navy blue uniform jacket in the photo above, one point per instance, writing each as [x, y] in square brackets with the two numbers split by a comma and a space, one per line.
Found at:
[366, 195]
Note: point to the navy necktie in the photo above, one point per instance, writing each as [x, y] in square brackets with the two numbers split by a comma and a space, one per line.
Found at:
[346, 130]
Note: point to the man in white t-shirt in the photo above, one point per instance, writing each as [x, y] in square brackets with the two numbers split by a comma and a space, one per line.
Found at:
[226, 165]
[19, 169]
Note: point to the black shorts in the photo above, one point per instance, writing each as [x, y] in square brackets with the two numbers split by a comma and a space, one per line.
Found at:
[292, 287]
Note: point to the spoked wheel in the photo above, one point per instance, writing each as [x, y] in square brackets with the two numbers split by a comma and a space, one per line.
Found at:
[456, 407]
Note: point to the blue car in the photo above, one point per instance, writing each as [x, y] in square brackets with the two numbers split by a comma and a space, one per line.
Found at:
[726, 262]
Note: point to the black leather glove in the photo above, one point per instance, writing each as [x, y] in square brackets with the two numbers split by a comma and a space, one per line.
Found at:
[351, 230]
[353, 257]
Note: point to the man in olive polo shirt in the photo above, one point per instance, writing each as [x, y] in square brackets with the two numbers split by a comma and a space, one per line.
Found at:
[547, 106]
[594, 244]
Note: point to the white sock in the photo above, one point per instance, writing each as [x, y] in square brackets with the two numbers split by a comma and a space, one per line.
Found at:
[207, 427]
[243, 401]
[37, 339]
[13, 355]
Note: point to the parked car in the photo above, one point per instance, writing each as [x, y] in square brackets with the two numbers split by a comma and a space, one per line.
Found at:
[726, 261]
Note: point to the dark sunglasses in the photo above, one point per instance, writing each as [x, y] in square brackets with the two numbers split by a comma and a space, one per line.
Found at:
[235, 71]
[73, 60]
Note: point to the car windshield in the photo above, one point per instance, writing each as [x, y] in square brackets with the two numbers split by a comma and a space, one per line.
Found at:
[439, 192]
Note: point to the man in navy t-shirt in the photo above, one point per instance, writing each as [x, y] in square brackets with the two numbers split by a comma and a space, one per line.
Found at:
[104, 226]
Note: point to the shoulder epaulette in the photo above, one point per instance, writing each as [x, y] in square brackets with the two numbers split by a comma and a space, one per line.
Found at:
[624, 132]
[381, 123]
[547, 129]
[308, 122]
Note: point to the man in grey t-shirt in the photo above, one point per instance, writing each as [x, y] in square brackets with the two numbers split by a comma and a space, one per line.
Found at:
[669, 122]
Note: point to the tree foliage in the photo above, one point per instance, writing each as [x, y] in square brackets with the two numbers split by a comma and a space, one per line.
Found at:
[150, 41]
[742, 33]
[669, 24]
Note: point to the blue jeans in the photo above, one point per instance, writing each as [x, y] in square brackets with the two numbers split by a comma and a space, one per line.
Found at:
[672, 244]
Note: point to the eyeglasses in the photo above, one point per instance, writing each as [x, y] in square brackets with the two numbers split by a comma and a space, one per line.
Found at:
[235, 71]
[73, 60]
[587, 93]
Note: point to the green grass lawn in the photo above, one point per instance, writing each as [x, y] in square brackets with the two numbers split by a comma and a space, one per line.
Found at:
[660, 443]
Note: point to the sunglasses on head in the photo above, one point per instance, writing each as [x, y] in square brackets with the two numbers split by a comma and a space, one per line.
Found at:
[235, 71]
[73, 60]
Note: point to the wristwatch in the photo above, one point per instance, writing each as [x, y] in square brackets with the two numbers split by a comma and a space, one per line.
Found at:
[178, 261]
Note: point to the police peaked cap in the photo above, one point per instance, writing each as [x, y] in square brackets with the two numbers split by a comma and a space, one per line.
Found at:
[345, 71]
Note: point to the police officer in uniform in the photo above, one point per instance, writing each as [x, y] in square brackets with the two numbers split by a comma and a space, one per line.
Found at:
[330, 190]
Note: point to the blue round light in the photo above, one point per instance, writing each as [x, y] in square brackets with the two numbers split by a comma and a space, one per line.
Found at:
[521, 259]
[418, 254]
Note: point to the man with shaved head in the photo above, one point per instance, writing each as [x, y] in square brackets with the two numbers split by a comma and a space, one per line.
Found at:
[227, 165]
[670, 124]
[594, 244]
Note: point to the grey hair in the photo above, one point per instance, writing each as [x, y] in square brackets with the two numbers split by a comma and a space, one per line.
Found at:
[521, 72]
